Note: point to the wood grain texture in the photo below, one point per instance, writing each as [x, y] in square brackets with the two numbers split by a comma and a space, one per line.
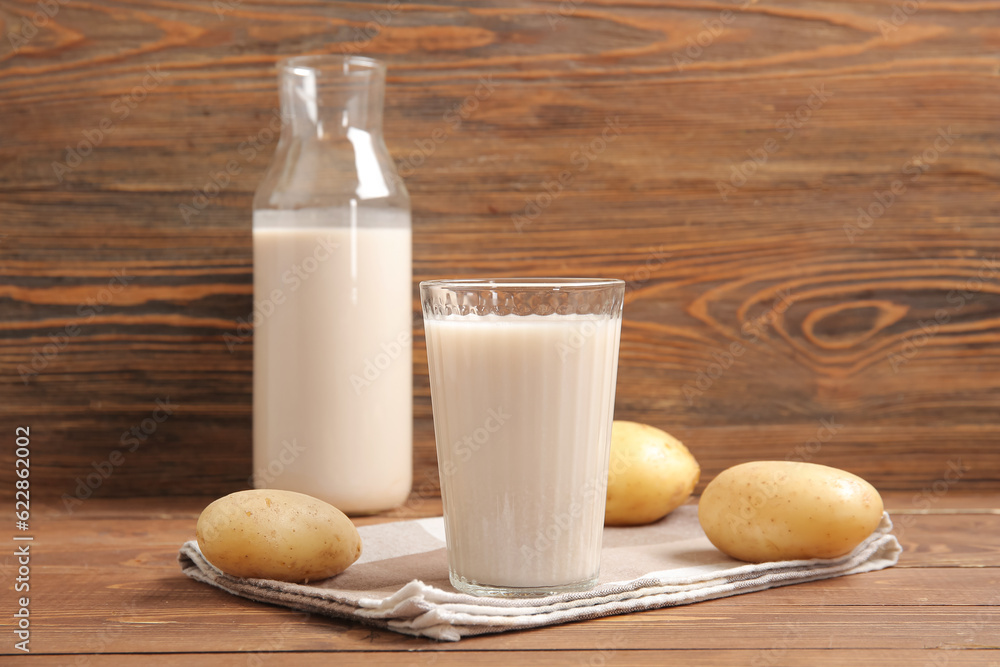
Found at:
[109, 587]
[708, 657]
[596, 138]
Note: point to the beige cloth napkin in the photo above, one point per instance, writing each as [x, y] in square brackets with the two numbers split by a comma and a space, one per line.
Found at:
[401, 580]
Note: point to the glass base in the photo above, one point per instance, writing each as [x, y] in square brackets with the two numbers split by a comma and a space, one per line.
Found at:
[463, 585]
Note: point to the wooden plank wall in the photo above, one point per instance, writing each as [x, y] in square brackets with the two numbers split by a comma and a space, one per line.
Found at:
[803, 197]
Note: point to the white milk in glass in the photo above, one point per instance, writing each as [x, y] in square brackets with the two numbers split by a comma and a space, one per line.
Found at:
[523, 408]
[332, 355]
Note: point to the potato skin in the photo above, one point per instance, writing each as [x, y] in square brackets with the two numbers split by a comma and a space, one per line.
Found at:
[282, 535]
[785, 510]
[650, 474]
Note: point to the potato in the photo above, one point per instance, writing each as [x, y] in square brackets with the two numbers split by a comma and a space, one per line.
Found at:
[281, 535]
[785, 510]
[650, 474]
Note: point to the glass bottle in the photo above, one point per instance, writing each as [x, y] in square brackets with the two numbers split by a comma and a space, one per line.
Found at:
[333, 371]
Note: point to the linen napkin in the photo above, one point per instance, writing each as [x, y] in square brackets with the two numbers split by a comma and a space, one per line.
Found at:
[401, 580]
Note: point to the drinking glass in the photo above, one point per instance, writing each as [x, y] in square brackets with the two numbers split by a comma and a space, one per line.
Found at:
[522, 375]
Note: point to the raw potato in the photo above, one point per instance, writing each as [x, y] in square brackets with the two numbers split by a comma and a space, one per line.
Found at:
[651, 473]
[785, 510]
[279, 535]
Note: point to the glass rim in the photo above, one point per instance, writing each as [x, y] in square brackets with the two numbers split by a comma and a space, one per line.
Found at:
[333, 64]
[553, 284]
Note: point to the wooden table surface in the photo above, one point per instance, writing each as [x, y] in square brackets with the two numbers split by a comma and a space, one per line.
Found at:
[106, 588]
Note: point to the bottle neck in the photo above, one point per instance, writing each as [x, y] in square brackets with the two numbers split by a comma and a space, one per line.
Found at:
[326, 97]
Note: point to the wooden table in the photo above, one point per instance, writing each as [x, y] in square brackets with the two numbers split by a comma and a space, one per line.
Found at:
[106, 587]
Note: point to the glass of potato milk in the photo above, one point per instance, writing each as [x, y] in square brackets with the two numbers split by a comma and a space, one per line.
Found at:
[522, 375]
